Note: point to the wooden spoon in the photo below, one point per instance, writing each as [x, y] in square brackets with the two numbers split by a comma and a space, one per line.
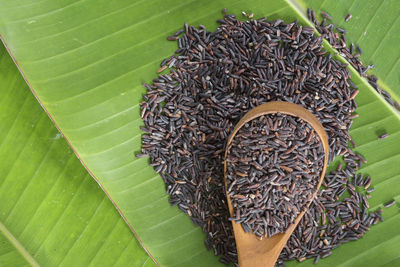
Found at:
[253, 252]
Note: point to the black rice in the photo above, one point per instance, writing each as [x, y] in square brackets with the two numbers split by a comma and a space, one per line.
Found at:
[216, 77]
[326, 15]
[390, 203]
[383, 136]
[348, 17]
[273, 167]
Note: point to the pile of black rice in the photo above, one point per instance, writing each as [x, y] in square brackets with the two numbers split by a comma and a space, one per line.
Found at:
[274, 164]
[215, 78]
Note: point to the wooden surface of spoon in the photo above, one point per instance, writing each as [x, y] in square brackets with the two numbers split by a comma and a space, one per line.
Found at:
[253, 252]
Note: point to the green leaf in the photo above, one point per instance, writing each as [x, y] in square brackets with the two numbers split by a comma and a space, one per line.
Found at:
[51, 212]
[86, 61]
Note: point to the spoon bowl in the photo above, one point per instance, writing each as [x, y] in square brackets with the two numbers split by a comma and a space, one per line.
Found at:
[253, 252]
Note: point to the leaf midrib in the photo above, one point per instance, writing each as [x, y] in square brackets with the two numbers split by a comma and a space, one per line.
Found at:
[18, 246]
[294, 5]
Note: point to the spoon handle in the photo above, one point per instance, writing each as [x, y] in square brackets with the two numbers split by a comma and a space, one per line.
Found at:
[253, 252]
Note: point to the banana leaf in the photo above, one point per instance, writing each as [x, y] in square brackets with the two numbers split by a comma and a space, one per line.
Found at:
[85, 61]
[51, 212]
